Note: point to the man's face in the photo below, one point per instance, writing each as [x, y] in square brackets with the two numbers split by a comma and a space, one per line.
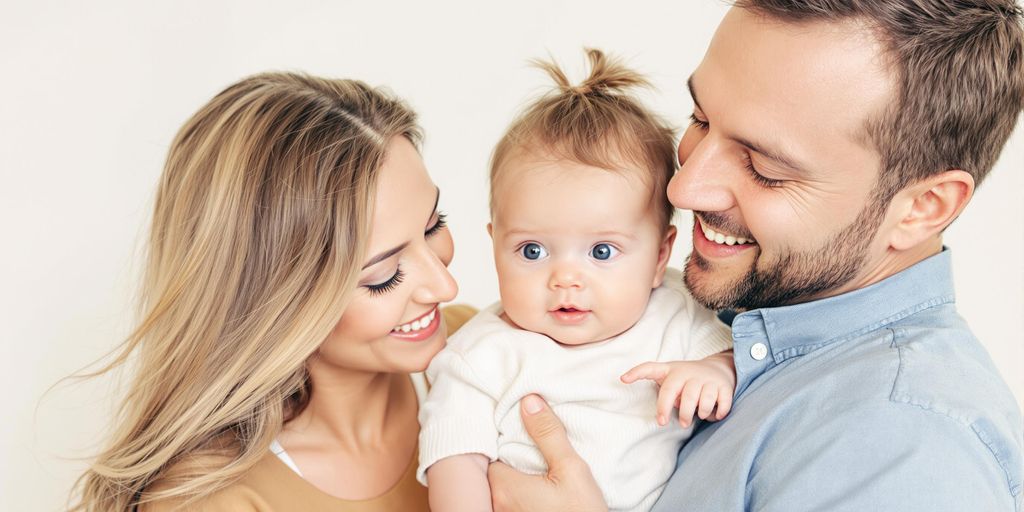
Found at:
[777, 156]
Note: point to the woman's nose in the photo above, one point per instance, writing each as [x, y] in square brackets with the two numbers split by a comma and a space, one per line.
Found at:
[438, 284]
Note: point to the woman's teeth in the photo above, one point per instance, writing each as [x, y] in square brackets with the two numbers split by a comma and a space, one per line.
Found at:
[417, 324]
[721, 238]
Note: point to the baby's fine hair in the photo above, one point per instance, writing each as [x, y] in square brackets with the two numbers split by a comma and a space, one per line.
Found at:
[595, 123]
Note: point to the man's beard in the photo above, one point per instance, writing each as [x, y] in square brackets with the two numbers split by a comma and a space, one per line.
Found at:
[792, 276]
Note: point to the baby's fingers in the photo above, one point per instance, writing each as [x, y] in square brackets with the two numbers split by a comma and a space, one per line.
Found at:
[708, 397]
[724, 402]
[688, 399]
[668, 395]
[652, 371]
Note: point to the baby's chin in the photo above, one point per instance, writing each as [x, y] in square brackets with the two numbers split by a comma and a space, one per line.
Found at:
[567, 336]
[569, 340]
[570, 336]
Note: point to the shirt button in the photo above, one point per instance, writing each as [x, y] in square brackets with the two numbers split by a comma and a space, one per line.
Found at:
[758, 351]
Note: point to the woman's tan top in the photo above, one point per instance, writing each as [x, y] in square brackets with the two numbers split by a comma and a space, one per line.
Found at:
[272, 486]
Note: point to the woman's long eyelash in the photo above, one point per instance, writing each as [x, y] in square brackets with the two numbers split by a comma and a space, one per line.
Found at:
[703, 125]
[758, 177]
[387, 286]
[439, 225]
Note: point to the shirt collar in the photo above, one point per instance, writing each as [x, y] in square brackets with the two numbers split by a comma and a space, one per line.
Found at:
[797, 329]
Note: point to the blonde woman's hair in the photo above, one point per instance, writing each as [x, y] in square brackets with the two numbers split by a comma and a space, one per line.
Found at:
[257, 239]
[595, 123]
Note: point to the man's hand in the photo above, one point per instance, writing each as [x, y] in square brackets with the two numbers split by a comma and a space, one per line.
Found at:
[703, 387]
[567, 486]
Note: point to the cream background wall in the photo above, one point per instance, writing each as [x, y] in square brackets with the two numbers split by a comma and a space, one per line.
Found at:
[92, 93]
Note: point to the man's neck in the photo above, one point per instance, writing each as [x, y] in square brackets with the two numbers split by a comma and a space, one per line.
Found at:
[892, 263]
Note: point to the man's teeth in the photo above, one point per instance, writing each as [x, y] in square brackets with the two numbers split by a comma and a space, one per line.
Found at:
[720, 238]
[416, 325]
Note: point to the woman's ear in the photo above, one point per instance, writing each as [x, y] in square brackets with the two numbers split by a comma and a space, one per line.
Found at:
[490, 230]
[664, 253]
[929, 206]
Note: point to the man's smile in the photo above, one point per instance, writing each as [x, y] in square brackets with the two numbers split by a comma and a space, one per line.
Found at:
[713, 244]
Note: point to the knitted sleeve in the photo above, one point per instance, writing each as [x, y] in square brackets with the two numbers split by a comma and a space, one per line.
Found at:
[458, 415]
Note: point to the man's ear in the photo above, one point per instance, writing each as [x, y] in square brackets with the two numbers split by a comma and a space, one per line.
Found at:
[928, 206]
[490, 230]
[664, 253]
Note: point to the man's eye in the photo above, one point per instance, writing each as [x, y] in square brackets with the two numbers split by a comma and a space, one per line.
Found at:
[761, 179]
[603, 252]
[533, 251]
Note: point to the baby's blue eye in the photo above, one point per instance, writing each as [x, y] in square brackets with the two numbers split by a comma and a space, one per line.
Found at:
[533, 251]
[603, 252]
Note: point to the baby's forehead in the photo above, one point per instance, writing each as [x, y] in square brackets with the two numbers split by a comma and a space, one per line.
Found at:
[540, 192]
[556, 171]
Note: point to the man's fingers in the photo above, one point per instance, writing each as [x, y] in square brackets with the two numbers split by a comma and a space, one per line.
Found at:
[547, 432]
[652, 371]
[505, 481]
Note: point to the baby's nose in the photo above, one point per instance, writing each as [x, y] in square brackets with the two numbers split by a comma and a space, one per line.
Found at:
[565, 277]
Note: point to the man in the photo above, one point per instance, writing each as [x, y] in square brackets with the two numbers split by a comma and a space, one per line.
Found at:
[842, 137]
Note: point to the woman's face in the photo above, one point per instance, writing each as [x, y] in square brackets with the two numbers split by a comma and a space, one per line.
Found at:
[393, 323]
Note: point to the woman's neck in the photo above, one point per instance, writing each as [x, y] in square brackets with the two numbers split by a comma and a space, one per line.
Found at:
[351, 410]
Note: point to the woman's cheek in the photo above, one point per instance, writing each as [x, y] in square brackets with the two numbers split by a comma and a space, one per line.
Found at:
[366, 319]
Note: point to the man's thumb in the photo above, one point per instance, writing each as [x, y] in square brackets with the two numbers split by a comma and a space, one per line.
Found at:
[547, 432]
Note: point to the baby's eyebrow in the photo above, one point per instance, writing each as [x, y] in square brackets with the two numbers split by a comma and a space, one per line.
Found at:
[614, 234]
[513, 232]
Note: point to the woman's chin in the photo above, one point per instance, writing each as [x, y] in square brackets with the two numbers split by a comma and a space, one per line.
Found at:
[416, 357]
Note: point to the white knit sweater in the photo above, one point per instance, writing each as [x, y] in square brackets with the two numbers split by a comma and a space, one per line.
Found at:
[488, 366]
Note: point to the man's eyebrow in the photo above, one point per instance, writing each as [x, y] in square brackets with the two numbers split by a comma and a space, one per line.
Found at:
[771, 154]
[777, 156]
[395, 250]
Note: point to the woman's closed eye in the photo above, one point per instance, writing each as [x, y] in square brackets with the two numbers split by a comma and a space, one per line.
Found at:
[440, 224]
[699, 123]
[386, 286]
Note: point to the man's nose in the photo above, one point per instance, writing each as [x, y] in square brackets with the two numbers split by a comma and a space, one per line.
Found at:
[705, 180]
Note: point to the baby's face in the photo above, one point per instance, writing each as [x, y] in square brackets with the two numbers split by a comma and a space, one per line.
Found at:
[577, 248]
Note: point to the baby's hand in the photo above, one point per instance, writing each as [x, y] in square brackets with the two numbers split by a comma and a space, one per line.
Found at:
[691, 386]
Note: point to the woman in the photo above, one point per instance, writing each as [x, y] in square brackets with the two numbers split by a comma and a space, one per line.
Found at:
[296, 263]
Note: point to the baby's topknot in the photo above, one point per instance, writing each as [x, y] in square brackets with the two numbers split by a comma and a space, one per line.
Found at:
[597, 123]
[608, 76]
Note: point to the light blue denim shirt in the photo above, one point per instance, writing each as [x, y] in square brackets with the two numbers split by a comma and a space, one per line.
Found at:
[877, 399]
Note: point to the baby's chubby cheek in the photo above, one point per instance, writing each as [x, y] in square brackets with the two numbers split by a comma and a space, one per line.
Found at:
[519, 310]
[622, 310]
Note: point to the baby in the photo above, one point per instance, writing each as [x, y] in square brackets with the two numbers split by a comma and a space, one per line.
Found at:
[582, 235]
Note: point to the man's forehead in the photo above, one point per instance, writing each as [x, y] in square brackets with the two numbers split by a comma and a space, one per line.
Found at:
[797, 84]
